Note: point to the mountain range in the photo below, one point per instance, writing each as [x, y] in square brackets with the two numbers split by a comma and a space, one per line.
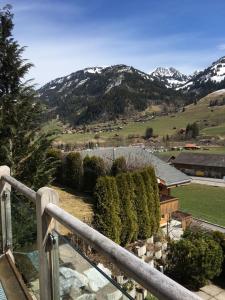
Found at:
[106, 93]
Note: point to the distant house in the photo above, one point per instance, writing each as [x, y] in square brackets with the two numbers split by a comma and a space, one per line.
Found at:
[137, 157]
[191, 147]
[201, 164]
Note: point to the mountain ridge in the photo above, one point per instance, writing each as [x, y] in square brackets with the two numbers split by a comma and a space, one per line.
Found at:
[106, 93]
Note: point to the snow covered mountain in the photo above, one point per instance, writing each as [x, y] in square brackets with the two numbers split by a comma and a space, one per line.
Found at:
[208, 80]
[171, 77]
[106, 93]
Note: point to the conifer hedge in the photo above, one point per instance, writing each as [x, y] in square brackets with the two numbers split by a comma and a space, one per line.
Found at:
[73, 170]
[107, 208]
[156, 206]
[135, 196]
[141, 205]
[119, 165]
[93, 168]
[128, 216]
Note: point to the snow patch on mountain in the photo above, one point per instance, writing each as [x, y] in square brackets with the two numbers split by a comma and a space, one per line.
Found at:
[82, 82]
[93, 70]
[171, 77]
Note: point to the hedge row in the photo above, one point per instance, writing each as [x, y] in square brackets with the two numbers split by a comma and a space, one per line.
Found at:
[127, 206]
[75, 172]
[82, 174]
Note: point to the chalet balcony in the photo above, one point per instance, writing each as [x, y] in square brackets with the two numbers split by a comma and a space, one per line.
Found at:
[55, 259]
[168, 205]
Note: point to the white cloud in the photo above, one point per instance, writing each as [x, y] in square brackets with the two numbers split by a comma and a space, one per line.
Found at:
[221, 46]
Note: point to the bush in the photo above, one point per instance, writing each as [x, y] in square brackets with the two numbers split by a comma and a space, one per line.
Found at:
[119, 166]
[73, 170]
[128, 216]
[94, 167]
[194, 260]
[107, 208]
[56, 156]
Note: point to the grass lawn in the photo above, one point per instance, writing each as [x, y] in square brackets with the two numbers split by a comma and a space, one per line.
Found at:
[78, 205]
[202, 201]
[216, 130]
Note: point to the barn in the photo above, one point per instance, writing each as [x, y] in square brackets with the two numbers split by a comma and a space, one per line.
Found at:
[201, 164]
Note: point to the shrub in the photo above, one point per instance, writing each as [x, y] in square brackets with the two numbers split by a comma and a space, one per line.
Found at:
[107, 208]
[73, 170]
[128, 216]
[194, 260]
[94, 167]
[119, 166]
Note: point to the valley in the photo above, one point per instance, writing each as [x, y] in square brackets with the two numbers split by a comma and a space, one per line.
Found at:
[211, 121]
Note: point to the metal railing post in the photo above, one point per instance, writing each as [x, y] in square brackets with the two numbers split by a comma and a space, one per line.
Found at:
[6, 222]
[49, 285]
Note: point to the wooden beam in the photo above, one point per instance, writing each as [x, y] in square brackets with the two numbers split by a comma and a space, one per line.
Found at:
[45, 226]
[5, 206]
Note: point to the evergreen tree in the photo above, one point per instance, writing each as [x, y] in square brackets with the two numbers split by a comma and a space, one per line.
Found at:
[156, 199]
[192, 130]
[94, 167]
[150, 198]
[129, 226]
[119, 166]
[23, 145]
[144, 224]
[107, 208]
[149, 133]
[73, 170]
[56, 156]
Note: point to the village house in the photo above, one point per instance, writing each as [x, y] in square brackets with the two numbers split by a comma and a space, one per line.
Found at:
[201, 164]
[137, 157]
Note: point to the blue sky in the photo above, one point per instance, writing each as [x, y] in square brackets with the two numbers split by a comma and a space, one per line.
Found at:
[63, 36]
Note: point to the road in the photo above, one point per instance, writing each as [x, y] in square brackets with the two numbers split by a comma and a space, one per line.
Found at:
[208, 181]
[207, 225]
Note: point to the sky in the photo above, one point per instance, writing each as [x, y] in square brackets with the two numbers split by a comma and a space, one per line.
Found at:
[63, 36]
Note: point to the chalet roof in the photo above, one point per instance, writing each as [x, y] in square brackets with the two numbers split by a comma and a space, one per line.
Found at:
[139, 157]
[201, 159]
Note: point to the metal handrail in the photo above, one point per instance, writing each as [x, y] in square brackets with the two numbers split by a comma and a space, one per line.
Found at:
[156, 282]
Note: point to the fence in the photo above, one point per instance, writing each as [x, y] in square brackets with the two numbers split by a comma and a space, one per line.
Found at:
[47, 213]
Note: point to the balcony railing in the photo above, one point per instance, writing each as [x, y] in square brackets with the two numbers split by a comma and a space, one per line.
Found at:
[47, 213]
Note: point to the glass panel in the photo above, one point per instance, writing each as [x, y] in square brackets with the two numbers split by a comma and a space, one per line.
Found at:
[81, 278]
[24, 240]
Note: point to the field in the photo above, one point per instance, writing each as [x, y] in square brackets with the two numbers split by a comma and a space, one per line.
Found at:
[210, 119]
[202, 201]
